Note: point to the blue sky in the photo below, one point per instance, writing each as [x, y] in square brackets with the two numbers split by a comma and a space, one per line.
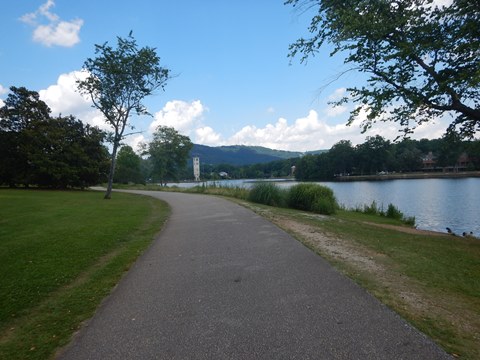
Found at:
[234, 83]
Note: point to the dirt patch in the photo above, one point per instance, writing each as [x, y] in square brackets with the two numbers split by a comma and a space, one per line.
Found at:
[403, 294]
[329, 245]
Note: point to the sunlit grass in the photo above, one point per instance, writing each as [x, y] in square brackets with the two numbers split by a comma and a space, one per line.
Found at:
[60, 255]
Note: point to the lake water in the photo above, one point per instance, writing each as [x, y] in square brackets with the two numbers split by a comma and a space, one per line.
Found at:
[435, 203]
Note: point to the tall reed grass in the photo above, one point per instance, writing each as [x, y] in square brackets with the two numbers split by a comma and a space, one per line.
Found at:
[312, 197]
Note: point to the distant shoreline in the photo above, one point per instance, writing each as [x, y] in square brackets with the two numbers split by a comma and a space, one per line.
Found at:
[418, 175]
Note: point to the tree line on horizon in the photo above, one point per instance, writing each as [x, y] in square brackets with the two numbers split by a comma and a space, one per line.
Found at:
[378, 155]
[62, 152]
[375, 155]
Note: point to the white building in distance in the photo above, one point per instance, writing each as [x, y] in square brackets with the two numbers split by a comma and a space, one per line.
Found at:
[196, 168]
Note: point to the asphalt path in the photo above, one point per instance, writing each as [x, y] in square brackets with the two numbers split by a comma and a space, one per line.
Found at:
[221, 282]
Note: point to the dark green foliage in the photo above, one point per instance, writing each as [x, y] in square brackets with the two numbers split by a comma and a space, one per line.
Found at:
[267, 193]
[36, 149]
[377, 155]
[421, 60]
[314, 167]
[22, 110]
[374, 155]
[372, 209]
[168, 153]
[119, 79]
[129, 167]
[312, 197]
[343, 155]
[67, 153]
[392, 212]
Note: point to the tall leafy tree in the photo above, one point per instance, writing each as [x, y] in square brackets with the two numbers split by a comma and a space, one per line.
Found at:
[36, 149]
[374, 155]
[67, 153]
[421, 60]
[22, 110]
[118, 81]
[343, 156]
[407, 156]
[129, 166]
[168, 152]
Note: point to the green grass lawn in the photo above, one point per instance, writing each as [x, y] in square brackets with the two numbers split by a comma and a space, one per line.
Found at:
[60, 255]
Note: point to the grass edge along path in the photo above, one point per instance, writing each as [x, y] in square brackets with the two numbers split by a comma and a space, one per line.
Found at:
[39, 331]
[431, 279]
[377, 258]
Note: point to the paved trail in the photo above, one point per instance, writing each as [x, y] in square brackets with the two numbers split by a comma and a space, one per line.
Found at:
[223, 283]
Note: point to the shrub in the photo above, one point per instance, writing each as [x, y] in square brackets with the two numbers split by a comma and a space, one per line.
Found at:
[324, 206]
[312, 197]
[394, 213]
[266, 193]
[372, 209]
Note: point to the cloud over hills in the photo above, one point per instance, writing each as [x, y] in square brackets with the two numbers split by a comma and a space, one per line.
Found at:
[313, 131]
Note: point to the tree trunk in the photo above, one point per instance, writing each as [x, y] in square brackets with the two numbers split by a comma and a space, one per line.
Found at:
[108, 194]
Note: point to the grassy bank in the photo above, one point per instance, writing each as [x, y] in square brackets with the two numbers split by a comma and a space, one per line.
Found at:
[60, 255]
[432, 280]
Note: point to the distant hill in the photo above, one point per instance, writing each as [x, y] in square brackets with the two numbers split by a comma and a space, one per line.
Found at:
[239, 154]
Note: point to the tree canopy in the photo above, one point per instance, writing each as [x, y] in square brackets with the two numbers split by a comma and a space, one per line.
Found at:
[421, 59]
[168, 153]
[377, 155]
[36, 149]
[118, 80]
[129, 167]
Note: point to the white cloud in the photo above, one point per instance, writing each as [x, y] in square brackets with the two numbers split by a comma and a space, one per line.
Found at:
[313, 133]
[207, 136]
[55, 31]
[134, 142]
[63, 33]
[337, 94]
[63, 98]
[333, 111]
[3, 90]
[302, 135]
[181, 115]
[441, 3]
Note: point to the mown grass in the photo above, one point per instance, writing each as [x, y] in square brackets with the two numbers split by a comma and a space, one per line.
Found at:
[443, 271]
[445, 268]
[60, 255]
[445, 263]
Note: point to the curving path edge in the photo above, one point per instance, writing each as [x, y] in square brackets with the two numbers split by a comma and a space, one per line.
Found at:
[221, 282]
